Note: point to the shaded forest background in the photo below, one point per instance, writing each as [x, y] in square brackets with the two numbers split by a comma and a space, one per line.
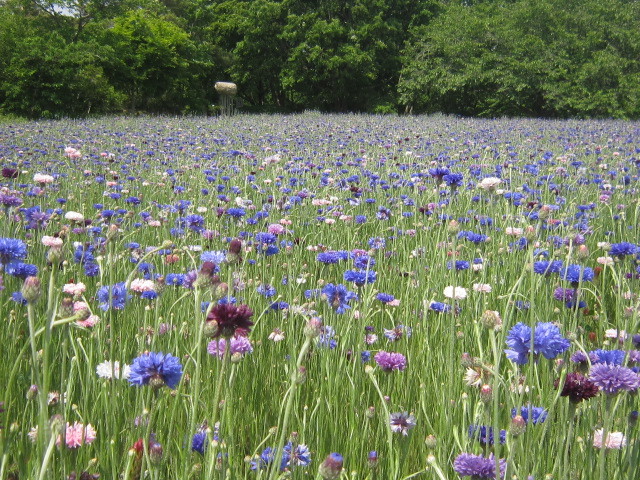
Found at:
[551, 58]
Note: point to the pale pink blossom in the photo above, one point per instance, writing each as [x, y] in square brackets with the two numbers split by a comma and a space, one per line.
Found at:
[140, 285]
[614, 440]
[515, 231]
[77, 435]
[49, 241]
[606, 261]
[276, 229]
[285, 221]
[329, 221]
[75, 289]
[482, 287]
[154, 223]
[42, 178]
[89, 322]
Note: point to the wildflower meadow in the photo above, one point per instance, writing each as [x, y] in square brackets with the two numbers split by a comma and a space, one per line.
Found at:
[319, 296]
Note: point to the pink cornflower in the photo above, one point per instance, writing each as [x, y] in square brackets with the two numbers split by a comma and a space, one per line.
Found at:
[75, 289]
[42, 178]
[77, 435]
[140, 285]
[49, 241]
[276, 229]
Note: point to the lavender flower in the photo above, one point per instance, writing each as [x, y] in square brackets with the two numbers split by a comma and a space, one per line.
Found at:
[478, 467]
[612, 379]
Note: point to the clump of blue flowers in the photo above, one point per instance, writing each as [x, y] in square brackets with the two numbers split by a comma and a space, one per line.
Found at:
[547, 341]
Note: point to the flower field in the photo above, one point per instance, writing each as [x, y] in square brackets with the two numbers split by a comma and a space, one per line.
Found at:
[319, 296]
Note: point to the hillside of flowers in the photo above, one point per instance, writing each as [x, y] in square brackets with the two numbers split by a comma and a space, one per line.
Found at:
[319, 296]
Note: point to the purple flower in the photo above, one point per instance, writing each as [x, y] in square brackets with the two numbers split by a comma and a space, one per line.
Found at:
[612, 379]
[390, 361]
[477, 466]
[547, 341]
[622, 249]
[156, 369]
[402, 422]
[241, 345]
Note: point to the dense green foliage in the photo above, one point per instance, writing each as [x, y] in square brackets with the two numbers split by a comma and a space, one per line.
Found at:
[551, 58]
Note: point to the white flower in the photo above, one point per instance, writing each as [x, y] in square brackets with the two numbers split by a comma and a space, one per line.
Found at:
[74, 217]
[457, 293]
[489, 183]
[109, 369]
[49, 241]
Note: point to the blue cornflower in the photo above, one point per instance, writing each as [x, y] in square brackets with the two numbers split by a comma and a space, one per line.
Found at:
[485, 435]
[236, 212]
[91, 269]
[279, 306]
[377, 243]
[266, 290]
[612, 357]
[21, 270]
[326, 338]
[213, 256]
[156, 369]
[364, 261]
[113, 296]
[385, 297]
[338, 297]
[328, 257]
[544, 267]
[360, 219]
[459, 265]
[576, 273]
[360, 277]
[199, 442]
[176, 279]
[622, 249]
[453, 180]
[12, 249]
[531, 414]
[547, 341]
[439, 307]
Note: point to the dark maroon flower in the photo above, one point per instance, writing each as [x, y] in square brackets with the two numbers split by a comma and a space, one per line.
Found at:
[228, 320]
[10, 172]
[578, 388]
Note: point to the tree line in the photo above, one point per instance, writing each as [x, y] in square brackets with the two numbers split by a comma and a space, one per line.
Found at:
[551, 58]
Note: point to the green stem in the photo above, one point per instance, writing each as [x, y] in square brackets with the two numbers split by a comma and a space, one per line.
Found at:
[47, 457]
[605, 432]
[394, 458]
[275, 465]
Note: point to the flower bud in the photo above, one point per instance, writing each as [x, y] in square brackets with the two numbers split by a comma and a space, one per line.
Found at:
[430, 442]
[301, 375]
[372, 459]
[486, 394]
[31, 289]
[32, 392]
[66, 307]
[518, 425]
[331, 467]
[155, 453]
[313, 328]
